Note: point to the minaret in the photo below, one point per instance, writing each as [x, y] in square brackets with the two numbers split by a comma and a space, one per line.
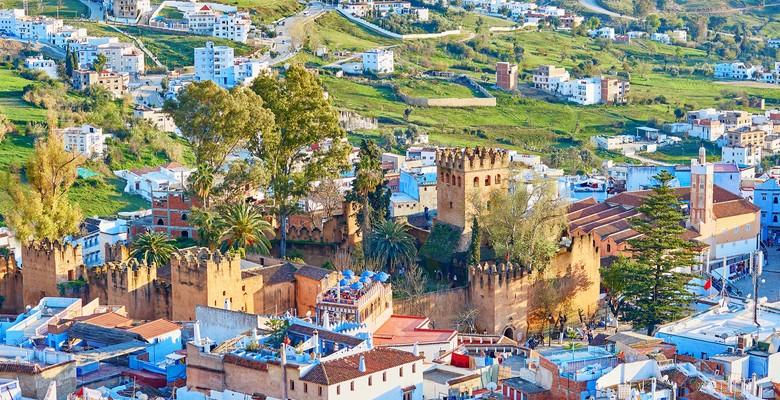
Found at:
[702, 175]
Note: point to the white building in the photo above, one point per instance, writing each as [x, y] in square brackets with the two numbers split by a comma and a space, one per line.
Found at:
[234, 27]
[123, 57]
[67, 35]
[773, 43]
[217, 64]
[736, 70]
[378, 61]
[661, 37]
[95, 234]
[678, 35]
[42, 64]
[584, 91]
[605, 32]
[148, 182]
[86, 140]
[38, 28]
[750, 155]
[9, 18]
[201, 21]
[707, 129]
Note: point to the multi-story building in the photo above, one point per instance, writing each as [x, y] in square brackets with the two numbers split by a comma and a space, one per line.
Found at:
[614, 91]
[40, 29]
[605, 32]
[217, 64]
[235, 27]
[156, 182]
[42, 64]
[122, 57]
[736, 119]
[68, 35]
[745, 138]
[506, 76]
[129, 10]
[550, 77]
[378, 61]
[201, 21]
[87, 49]
[171, 211]
[586, 91]
[767, 197]
[678, 35]
[741, 155]
[416, 192]
[9, 19]
[735, 70]
[707, 129]
[86, 140]
[115, 83]
[95, 234]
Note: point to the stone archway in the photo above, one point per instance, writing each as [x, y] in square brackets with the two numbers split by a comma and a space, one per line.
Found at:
[509, 332]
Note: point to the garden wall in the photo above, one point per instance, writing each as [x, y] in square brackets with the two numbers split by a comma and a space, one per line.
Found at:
[442, 307]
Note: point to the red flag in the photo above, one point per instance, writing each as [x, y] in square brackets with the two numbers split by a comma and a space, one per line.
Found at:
[708, 284]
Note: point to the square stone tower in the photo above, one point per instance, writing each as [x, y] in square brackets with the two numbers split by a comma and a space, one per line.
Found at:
[45, 265]
[462, 174]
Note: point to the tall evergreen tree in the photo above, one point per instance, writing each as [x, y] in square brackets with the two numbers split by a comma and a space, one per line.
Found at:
[368, 177]
[476, 239]
[655, 289]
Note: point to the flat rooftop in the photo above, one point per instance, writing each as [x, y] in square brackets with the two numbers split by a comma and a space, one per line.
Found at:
[408, 330]
[725, 324]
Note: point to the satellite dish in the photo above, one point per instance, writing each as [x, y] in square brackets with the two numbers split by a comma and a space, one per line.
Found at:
[308, 313]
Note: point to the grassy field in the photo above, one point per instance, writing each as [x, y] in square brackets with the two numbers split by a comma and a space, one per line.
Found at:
[104, 196]
[266, 11]
[170, 13]
[69, 8]
[11, 103]
[337, 33]
[173, 50]
[435, 89]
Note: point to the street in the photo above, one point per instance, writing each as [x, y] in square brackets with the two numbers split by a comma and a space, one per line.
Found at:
[290, 32]
[771, 276]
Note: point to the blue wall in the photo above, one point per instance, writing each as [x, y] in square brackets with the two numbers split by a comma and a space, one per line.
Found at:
[764, 197]
[694, 347]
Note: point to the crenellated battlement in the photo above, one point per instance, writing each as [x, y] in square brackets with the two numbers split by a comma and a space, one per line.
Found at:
[8, 265]
[119, 251]
[496, 274]
[129, 265]
[195, 258]
[472, 159]
[45, 248]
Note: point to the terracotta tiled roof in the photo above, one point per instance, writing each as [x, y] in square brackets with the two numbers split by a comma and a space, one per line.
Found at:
[579, 205]
[407, 330]
[732, 208]
[106, 320]
[19, 367]
[153, 329]
[277, 273]
[346, 368]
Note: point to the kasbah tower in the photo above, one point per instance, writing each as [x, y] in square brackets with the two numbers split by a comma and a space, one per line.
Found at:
[505, 294]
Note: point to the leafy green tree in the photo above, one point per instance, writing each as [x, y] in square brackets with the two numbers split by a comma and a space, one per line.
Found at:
[656, 291]
[100, 63]
[518, 230]
[41, 210]
[217, 122]
[210, 229]
[594, 23]
[304, 144]
[643, 7]
[245, 229]
[202, 182]
[614, 279]
[652, 22]
[153, 248]
[391, 245]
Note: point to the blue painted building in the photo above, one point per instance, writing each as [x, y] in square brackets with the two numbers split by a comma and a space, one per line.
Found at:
[727, 176]
[416, 192]
[767, 197]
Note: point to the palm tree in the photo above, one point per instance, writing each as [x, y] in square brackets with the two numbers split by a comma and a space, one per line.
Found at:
[391, 245]
[201, 182]
[245, 229]
[153, 247]
[210, 228]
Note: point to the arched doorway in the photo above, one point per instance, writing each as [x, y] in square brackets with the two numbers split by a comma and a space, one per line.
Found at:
[509, 332]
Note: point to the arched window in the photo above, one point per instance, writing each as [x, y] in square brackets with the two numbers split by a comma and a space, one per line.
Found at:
[184, 217]
[609, 248]
[447, 178]
[498, 179]
[185, 234]
[160, 222]
[487, 180]
[458, 181]
[476, 181]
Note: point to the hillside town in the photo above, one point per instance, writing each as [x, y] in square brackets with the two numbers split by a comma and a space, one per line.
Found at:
[394, 200]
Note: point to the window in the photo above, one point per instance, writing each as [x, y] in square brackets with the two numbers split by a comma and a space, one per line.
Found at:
[774, 218]
[384, 376]
[774, 200]
[401, 372]
[338, 389]
[370, 381]
[319, 390]
[162, 222]
[352, 386]
[414, 368]
[305, 388]
[763, 196]
[476, 181]
[184, 217]
[408, 395]
[498, 179]
[487, 180]
[450, 204]
[292, 384]
[609, 248]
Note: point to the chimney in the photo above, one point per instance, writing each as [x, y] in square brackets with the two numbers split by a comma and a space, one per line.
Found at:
[362, 365]
[196, 333]
[415, 350]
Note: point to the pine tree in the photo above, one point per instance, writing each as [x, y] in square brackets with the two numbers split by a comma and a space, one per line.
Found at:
[476, 240]
[655, 289]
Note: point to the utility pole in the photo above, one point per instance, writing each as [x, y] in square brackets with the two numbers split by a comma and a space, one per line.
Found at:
[757, 269]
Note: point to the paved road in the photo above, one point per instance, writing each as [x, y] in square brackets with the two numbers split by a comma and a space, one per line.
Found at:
[289, 33]
[95, 9]
[592, 5]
